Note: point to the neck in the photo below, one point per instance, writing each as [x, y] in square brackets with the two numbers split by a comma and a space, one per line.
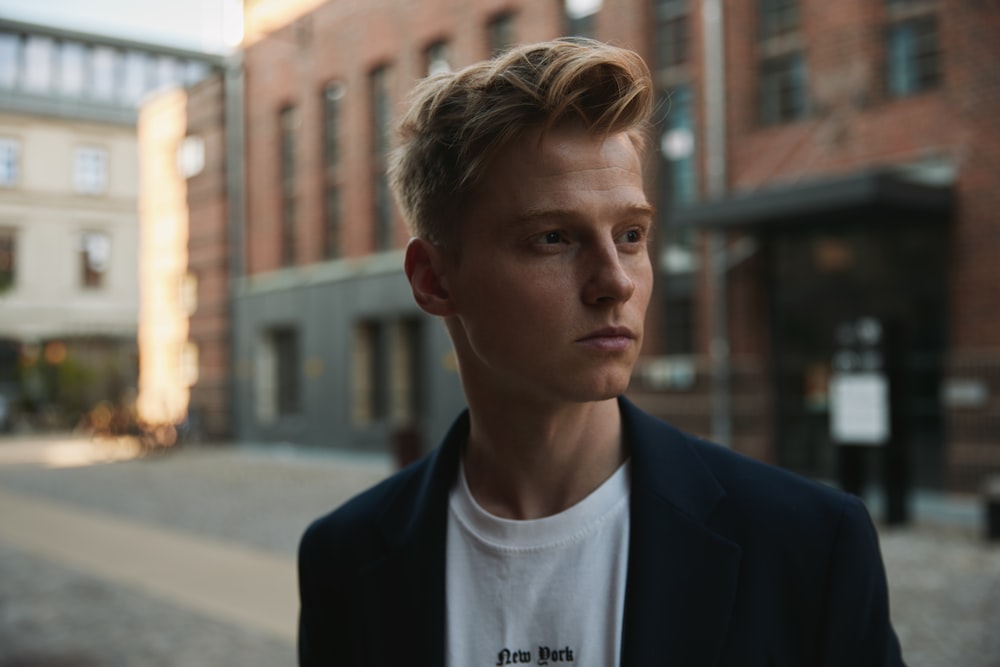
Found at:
[527, 462]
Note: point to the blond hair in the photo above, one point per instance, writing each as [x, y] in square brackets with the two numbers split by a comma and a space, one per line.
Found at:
[457, 121]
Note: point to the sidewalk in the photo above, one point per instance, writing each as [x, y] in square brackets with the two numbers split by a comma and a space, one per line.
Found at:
[189, 559]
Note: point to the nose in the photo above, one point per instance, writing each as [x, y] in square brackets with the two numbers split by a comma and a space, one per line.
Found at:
[608, 278]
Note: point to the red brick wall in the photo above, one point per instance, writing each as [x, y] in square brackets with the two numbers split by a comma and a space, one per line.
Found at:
[208, 260]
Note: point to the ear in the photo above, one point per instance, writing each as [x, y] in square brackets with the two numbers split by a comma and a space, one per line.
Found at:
[424, 266]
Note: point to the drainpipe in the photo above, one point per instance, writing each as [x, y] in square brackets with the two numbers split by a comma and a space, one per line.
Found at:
[715, 167]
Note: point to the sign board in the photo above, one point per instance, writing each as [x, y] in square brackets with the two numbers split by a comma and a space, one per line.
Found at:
[859, 408]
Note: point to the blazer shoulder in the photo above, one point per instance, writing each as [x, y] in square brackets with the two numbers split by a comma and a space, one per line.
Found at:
[358, 525]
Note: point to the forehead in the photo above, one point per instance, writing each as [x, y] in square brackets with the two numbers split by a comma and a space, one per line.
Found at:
[565, 168]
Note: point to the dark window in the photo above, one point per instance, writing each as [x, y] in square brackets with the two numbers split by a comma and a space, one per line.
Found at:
[381, 132]
[500, 32]
[679, 331]
[332, 215]
[371, 393]
[333, 95]
[913, 62]
[677, 145]
[286, 356]
[783, 94]
[778, 17]
[8, 258]
[673, 32]
[288, 124]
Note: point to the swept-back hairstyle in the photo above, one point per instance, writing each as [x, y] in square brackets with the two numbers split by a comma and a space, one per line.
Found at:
[457, 121]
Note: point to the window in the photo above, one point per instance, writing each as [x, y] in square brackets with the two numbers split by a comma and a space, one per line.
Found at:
[387, 370]
[134, 80]
[783, 94]
[913, 62]
[10, 58]
[381, 132]
[332, 215]
[39, 57]
[95, 258]
[436, 58]
[10, 158]
[90, 170]
[194, 71]
[673, 33]
[677, 146]
[72, 69]
[286, 353]
[368, 371]
[778, 17]
[500, 32]
[166, 71]
[580, 16]
[333, 95]
[679, 180]
[277, 378]
[103, 69]
[288, 125]
[8, 258]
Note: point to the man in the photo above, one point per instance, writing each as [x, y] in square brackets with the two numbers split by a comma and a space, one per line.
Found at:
[557, 523]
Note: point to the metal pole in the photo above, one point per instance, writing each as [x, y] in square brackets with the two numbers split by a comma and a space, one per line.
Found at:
[715, 167]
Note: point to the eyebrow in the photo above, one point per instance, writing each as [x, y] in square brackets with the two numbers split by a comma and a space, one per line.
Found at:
[532, 214]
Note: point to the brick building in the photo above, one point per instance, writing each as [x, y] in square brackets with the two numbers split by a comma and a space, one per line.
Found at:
[826, 177]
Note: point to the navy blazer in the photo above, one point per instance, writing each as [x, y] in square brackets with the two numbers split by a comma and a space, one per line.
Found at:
[731, 562]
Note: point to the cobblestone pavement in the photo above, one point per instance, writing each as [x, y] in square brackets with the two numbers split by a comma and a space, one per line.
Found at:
[944, 579]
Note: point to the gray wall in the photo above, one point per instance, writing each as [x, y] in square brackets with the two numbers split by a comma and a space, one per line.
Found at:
[324, 303]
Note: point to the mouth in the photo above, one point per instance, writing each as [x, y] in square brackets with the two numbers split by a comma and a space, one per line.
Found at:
[611, 339]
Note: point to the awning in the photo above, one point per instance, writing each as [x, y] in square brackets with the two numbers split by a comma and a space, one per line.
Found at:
[892, 195]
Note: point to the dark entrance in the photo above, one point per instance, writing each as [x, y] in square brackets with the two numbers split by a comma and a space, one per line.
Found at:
[868, 244]
[822, 275]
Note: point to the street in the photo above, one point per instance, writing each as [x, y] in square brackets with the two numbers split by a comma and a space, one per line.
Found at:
[187, 559]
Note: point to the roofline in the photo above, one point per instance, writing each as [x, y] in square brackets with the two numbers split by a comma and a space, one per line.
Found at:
[219, 60]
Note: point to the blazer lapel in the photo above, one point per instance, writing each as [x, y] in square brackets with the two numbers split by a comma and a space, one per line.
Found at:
[404, 592]
[682, 576]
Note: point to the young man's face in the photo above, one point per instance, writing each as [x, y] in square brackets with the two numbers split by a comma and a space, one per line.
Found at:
[552, 277]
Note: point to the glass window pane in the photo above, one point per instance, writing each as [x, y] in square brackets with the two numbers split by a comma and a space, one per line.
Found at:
[90, 174]
[134, 79]
[39, 56]
[10, 155]
[102, 73]
[72, 69]
[10, 51]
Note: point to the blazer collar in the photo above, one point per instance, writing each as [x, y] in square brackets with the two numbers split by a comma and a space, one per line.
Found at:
[682, 575]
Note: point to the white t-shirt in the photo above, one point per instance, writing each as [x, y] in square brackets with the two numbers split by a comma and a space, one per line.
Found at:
[549, 591]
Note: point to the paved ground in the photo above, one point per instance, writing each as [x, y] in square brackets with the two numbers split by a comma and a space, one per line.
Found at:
[188, 559]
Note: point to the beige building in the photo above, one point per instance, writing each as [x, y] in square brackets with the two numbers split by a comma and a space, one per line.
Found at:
[69, 187]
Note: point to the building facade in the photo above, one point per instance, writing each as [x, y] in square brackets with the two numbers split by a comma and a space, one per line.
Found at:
[826, 175]
[69, 181]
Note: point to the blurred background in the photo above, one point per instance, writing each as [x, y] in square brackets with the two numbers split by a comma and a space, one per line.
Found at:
[198, 244]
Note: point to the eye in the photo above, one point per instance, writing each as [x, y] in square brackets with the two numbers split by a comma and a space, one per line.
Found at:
[633, 236]
[551, 238]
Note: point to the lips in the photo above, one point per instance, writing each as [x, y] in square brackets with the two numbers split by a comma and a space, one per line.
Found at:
[611, 339]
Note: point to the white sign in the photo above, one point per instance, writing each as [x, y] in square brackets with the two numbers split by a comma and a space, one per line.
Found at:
[859, 408]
